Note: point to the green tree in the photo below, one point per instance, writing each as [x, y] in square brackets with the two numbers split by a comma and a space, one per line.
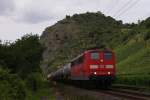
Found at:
[11, 86]
[24, 55]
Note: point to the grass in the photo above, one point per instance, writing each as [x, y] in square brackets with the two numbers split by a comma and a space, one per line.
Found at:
[133, 64]
[136, 80]
[124, 51]
[137, 63]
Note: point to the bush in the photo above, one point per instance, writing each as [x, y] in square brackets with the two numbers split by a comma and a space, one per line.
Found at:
[11, 87]
[34, 81]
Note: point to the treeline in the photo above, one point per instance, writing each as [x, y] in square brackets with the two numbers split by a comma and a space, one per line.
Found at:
[19, 67]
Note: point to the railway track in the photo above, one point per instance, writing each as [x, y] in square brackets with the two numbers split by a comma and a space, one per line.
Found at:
[128, 94]
[131, 87]
[124, 93]
[110, 94]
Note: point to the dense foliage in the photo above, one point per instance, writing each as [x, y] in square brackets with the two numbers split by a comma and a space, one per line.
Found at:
[20, 67]
[11, 86]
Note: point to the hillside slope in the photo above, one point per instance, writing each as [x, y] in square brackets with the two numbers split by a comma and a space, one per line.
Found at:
[74, 34]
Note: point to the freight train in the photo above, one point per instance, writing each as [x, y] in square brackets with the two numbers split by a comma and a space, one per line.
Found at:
[92, 66]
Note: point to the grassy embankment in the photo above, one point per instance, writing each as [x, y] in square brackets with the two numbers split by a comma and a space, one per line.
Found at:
[133, 64]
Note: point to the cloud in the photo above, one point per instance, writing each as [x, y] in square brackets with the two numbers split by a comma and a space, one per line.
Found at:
[25, 16]
[34, 17]
[34, 11]
[6, 7]
[38, 11]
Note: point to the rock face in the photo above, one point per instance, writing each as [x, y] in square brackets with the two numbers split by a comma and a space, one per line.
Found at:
[72, 35]
[54, 39]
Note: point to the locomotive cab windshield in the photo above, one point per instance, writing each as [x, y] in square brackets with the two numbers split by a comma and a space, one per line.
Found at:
[95, 56]
[107, 55]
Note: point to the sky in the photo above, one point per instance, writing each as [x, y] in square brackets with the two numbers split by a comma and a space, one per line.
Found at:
[18, 17]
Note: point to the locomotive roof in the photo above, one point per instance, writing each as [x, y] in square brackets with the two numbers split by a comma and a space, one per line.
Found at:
[90, 50]
[97, 50]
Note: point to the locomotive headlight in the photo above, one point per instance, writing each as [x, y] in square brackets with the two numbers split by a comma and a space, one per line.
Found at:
[93, 66]
[109, 66]
[101, 60]
[95, 73]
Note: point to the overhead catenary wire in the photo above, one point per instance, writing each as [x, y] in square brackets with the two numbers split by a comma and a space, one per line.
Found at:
[127, 9]
[123, 7]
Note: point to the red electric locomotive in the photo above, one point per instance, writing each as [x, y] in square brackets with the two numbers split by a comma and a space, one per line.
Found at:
[92, 65]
